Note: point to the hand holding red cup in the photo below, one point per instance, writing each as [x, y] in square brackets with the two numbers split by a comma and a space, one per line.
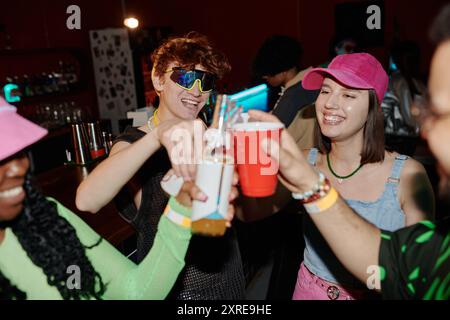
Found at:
[257, 170]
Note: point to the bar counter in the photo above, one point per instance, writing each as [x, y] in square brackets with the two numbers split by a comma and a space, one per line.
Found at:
[62, 182]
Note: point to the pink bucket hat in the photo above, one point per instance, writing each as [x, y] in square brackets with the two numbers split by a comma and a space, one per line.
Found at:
[16, 132]
[355, 70]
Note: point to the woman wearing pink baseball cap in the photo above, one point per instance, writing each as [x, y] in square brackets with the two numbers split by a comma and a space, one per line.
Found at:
[382, 187]
[48, 252]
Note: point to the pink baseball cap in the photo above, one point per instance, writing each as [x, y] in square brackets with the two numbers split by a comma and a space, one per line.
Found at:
[16, 132]
[355, 70]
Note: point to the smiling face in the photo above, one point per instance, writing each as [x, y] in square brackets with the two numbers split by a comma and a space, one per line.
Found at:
[341, 112]
[12, 178]
[178, 102]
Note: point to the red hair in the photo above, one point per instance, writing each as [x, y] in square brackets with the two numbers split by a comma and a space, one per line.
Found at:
[189, 51]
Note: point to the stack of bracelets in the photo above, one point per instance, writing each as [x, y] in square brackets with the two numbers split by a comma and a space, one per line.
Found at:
[320, 198]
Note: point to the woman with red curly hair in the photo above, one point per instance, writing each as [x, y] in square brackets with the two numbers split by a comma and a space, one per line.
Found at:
[184, 73]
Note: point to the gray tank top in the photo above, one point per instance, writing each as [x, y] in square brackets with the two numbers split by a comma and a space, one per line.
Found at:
[385, 213]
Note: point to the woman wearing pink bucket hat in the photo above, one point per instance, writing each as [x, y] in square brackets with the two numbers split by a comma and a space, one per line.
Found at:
[47, 252]
[381, 186]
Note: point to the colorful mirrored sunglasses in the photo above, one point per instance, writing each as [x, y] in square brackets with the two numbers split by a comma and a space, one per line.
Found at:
[186, 79]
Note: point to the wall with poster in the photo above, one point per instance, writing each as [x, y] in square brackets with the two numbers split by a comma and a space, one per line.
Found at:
[114, 74]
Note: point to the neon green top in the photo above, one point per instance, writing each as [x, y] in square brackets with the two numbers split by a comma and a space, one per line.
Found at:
[153, 278]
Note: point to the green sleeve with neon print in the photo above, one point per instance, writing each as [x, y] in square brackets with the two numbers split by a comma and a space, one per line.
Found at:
[415, 262]
[154, 277]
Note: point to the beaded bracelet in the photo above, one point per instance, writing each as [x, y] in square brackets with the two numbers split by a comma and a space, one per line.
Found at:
[319, 191]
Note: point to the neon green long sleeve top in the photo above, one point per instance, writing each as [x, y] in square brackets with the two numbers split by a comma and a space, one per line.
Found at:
[153, 278]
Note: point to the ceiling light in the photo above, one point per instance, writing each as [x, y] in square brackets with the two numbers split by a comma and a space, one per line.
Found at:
[131, 23]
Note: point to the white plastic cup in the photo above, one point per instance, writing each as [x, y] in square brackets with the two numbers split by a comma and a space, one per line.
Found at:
[215, 180]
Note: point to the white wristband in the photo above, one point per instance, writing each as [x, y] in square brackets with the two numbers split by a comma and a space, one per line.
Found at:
[177, 218]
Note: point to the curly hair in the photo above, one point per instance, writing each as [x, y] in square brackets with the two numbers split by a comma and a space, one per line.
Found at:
[188, 51]
[52, 244]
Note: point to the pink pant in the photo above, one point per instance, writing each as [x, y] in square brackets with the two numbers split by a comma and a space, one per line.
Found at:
[311, 287]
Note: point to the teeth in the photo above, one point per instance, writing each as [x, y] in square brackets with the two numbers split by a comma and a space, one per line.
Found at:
[190, 101]
[11, 192]
[333, 118]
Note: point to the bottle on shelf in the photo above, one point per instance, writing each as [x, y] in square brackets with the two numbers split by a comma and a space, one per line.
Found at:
[17, 82]
[72, 74]
[62, 79]
[27, 86]
[36, 84]
[45, 84]
[96, 144]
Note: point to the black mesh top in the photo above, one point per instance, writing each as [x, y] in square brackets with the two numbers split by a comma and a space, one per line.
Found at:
[213, 268]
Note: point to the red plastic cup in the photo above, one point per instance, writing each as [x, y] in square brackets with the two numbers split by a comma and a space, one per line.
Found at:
[257, 171]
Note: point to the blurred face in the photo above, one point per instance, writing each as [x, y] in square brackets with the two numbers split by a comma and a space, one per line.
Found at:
[12, 178]
[181, 103]
[275, 80]
[341, 111]
[436, 129]
[345, 47]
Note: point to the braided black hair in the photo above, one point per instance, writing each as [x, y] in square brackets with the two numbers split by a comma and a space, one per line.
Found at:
[9, 291]
[52, 244]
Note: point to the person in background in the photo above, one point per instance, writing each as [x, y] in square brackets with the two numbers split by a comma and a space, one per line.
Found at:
[48, 252]
[340, 45]
[184, 73]
[405, 85]
[278, 62]
[271, 243]
[412, 262]
[345, 46]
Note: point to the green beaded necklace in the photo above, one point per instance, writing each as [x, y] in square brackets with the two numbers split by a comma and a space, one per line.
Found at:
[340, 178]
